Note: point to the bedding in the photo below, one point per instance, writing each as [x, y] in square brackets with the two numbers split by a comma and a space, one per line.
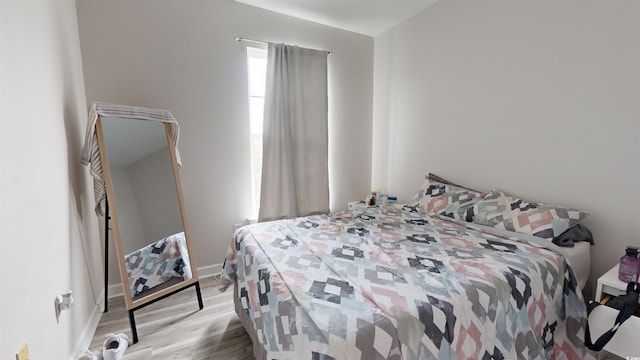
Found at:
[158, 263]
[393, 283]
[497, 209]
[501, 210]
[434, 197]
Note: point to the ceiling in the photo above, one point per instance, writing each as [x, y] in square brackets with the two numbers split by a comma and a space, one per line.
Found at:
[368, 17]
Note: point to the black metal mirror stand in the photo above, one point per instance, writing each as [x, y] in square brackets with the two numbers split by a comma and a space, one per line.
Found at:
[132, 320]
[106, 254]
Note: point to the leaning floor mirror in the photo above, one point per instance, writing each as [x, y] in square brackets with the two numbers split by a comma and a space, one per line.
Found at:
[134, 160]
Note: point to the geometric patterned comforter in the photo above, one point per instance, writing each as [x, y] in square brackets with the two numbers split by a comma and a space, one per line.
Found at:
[158, 263]
[392, 283]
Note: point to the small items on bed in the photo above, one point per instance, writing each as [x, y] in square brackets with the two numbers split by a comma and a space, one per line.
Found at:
[574, 234]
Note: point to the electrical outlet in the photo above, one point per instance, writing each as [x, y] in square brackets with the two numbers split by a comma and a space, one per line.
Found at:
[63, 302]
[23, 354]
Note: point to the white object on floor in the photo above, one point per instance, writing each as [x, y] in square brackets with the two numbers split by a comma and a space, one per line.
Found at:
[90, 355]
[114, 346]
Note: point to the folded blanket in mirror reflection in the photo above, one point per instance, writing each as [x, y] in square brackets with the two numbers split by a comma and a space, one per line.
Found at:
[158, 263]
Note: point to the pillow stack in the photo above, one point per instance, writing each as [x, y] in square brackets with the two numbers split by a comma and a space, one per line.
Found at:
[434, 197]
[495, 209]
[500, 210]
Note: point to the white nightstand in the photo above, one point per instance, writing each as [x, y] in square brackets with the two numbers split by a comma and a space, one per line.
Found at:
[625, 342]
[609, 284]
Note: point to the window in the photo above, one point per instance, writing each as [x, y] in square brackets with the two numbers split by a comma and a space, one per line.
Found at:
[257, 76]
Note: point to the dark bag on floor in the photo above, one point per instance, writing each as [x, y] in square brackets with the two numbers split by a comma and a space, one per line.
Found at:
[626, 304]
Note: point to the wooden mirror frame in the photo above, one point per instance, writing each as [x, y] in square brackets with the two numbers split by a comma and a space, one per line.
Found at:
[131, 303]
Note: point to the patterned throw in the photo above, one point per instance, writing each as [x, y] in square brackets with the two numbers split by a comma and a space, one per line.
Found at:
[158, 263]
[393, 283]
[91, 150]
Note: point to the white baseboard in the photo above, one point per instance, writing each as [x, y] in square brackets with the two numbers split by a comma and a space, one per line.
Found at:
[115, 290]
[89, 329]
[209, 271]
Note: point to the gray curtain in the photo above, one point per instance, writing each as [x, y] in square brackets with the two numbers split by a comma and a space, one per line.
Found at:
[295, 179]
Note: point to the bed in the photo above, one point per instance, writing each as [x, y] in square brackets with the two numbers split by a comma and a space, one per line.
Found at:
[579, 256]
[412, 281]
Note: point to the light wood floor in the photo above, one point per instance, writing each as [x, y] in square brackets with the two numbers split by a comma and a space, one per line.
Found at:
[174, 328]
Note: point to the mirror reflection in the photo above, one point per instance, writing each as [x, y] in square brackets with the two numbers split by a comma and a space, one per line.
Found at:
[147, 205]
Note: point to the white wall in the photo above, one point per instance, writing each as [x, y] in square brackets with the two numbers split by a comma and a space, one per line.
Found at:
[538, 98]
[182, 56]
[155, 191]
[147, 205]
[130, 224]
[49, 239]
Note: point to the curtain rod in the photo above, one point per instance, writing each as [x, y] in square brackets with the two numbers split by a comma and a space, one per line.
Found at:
[265, 43]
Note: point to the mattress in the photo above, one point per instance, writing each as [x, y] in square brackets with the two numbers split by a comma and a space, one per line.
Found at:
[390, 283]
[579, 257]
